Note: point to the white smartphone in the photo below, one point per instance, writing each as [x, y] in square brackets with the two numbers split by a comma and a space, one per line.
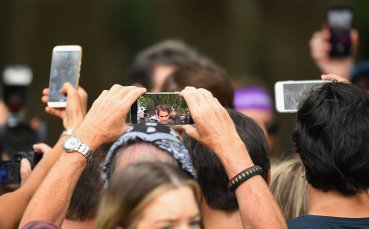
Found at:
[288, 94]
[65, 67]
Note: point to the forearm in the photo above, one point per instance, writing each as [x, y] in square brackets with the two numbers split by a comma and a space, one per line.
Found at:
[13, 205]
[51, 201]
[254, 197]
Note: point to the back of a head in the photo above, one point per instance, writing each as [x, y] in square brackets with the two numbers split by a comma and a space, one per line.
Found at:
[331, 136]
[84, 202]
[290, 188]
[212, 177]
[133, 188]
[139, 152]
[205, 75]
[147, 142]
[168, 53]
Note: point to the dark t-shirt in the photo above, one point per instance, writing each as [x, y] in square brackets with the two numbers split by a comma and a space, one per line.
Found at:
[328, 222]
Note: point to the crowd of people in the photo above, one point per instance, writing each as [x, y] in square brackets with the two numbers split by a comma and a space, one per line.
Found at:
[217, 173]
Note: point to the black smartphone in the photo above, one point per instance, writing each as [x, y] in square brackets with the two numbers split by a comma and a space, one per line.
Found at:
[340, 22]
[168, 108]
[9, 172]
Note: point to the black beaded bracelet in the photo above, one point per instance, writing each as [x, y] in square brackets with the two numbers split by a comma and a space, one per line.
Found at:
[244, 176]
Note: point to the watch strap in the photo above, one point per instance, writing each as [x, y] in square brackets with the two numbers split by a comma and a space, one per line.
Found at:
[67, 132]
[79, 147]
[85, 151]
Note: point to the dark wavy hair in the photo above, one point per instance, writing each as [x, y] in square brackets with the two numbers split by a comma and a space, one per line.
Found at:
[211, 174]
[331, 136]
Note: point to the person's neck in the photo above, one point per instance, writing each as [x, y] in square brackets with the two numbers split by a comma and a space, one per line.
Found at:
[333, 203]
[219, 219]
[72, 224]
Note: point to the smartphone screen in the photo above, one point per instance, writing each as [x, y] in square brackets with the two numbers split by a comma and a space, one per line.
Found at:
[65, 67]
[9, 172]
[340, 22]
[168, 108]
[288, 94]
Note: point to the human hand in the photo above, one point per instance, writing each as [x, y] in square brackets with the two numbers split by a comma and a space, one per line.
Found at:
[333, 77]
[214, 127]
[25, 165]
[105, 121]
[42, 148]
[320, 48]
[76, 108]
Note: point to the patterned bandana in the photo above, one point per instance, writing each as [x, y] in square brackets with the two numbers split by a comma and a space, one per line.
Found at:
[161, 136]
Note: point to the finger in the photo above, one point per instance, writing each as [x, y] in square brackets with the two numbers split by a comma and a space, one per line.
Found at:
[25, 170]
[123, 91]
[101, 97]
[206, 94]
[68, 89]
[41, 148]
[192, 100]
[82, 94]
[191, 131]
[205, 100]
[45, 99]
[189, 95]
[115, 89]
[45, 92]
[216, 101]
[132, 96]
[55, 112]
[334, 77]
[102, 94]
[326, 34]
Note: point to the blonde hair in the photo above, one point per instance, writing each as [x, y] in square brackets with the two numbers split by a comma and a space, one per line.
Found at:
[134, 188]
[290, 188]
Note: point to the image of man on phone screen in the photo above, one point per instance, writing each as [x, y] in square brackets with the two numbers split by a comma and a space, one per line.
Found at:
[163, 112]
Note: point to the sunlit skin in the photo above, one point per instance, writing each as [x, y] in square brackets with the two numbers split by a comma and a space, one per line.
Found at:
[262, 118]
[163, 117]
[174, 209]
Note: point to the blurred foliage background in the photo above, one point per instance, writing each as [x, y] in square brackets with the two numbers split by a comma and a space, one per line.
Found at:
[257, 41]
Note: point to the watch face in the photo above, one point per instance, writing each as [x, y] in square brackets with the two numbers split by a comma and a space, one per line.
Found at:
[71, 143]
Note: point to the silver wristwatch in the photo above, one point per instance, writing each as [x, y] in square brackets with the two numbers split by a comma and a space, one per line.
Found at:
[74, 144]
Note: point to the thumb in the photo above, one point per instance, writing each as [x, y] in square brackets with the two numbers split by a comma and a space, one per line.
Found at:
[192, 132]
[25, 170]
[68, 89]
[42, 148]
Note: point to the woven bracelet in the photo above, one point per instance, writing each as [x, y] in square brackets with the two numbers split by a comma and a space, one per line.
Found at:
[244, 176]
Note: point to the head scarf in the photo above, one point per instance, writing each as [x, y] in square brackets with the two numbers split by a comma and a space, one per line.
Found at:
[158, 134]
